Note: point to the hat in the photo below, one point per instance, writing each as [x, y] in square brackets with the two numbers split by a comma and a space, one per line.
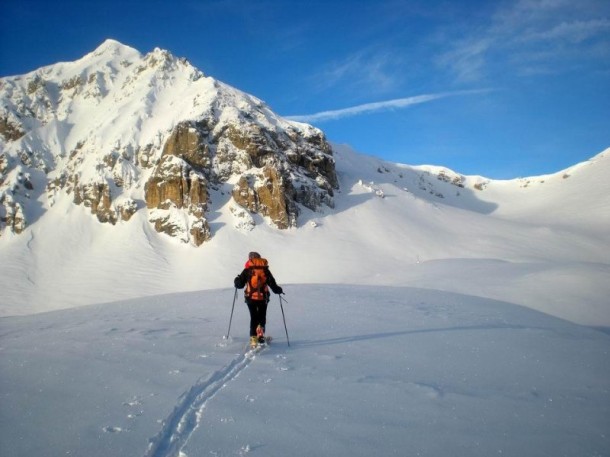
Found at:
[254, 255]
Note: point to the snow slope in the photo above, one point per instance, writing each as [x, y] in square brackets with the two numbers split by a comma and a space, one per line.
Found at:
[370, 370]
[545, 245]
[416, 362]
[542, 242]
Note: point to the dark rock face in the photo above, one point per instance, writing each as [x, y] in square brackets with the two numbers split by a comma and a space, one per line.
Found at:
[179, 182]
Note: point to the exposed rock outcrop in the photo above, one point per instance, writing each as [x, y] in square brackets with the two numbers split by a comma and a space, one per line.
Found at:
[179, 182]
[10, 130]
[12, 215]
[96, 196]
[266, 194]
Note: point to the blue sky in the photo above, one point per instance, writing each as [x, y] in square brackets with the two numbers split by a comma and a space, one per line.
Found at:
[498, 88]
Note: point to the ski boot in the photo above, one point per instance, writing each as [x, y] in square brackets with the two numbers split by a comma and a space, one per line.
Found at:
[253, 342]
[260, 333]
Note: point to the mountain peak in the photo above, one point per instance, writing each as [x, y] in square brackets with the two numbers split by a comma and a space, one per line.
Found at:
[120, 132]
[111, 46]
[112, 50]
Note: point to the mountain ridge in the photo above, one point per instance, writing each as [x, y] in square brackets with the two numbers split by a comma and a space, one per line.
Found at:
[133, 138]
[240, 178]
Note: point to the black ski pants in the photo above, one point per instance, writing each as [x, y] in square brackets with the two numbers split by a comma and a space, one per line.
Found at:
[258, 314]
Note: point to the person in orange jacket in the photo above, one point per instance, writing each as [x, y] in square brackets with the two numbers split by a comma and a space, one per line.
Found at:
[257, 279]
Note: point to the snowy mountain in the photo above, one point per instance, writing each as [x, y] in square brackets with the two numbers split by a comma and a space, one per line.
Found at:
[101, 159]
[120, 132]
[430, 313]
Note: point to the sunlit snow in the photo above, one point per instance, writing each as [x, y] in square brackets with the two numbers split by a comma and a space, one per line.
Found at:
[429, 314]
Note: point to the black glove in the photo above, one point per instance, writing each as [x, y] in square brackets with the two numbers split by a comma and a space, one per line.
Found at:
[238, 283]
[279, 290]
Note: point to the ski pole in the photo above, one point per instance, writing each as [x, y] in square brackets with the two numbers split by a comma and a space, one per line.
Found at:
[284, 317]
[231, 318]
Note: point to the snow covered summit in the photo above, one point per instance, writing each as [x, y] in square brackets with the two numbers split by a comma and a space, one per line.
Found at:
[119, 132]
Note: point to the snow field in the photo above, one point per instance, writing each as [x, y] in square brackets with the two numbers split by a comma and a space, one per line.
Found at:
[370, 370]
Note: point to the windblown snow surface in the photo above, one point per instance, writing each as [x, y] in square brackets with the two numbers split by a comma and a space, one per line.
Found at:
[472, 324]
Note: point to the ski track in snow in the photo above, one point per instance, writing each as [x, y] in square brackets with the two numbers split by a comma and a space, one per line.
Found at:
[187, 414]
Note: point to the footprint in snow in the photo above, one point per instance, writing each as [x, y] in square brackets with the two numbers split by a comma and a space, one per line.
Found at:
[112, 429]
[429, 390]
[134, 401]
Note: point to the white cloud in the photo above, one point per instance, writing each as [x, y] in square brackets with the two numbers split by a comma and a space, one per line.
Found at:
[574, 31]
[397, 103]
[369, 67]
[468, 58]
[550, 34]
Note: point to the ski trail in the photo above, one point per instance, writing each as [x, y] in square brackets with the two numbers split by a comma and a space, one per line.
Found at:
[187, 414]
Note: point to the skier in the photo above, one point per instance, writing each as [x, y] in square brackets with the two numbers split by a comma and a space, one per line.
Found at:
[257, 279]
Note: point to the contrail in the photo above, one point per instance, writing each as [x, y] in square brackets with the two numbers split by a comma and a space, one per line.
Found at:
[378, 106]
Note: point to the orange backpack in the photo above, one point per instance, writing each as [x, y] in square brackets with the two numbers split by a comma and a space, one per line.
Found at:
[257, 289]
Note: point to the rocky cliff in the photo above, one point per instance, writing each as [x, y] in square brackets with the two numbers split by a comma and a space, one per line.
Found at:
[118, 132]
